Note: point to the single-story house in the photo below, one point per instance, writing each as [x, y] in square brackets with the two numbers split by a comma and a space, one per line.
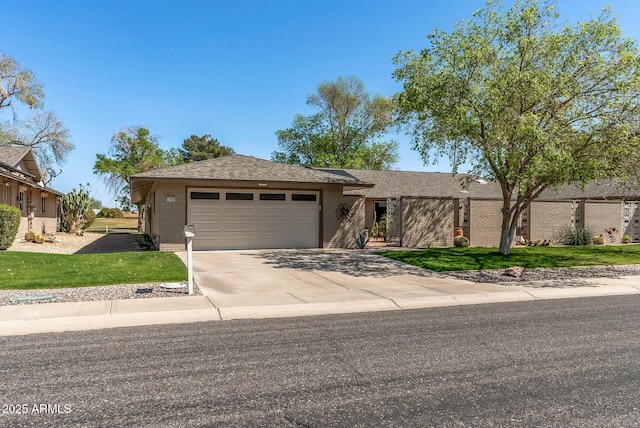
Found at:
[242, 202]
[22, 186]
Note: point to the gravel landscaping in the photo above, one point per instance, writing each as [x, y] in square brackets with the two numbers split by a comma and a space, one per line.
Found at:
[86, 294]
[544, 274]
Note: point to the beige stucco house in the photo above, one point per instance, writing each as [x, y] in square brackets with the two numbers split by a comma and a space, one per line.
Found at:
[242, 202]
[21, 185]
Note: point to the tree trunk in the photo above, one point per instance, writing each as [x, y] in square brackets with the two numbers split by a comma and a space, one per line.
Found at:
[508, 232]
[140, 217]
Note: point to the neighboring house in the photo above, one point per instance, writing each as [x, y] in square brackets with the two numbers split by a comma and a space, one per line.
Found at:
[423, 208]
[600, 206]
[22, 187]
[428, 205]
[241, 202]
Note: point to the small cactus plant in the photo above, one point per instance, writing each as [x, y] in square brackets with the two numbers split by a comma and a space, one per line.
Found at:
[75, 205]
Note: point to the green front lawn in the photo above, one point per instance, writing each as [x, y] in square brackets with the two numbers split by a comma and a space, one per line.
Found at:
[109, 224]
[23, 271]
[452, 259]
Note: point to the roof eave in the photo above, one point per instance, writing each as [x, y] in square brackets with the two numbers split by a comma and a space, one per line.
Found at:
[141, 185]
[31, 184]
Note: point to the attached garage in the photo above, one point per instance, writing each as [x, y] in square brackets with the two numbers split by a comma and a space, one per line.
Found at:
[248, 219]
[240, 202]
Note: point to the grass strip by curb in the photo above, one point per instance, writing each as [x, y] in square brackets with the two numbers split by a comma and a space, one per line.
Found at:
[32, 271]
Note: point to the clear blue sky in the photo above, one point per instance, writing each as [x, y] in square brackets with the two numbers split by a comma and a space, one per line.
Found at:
[236, 70]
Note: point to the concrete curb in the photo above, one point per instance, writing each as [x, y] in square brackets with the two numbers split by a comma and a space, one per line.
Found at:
[76, 316]
[306, 309]
[96, 322]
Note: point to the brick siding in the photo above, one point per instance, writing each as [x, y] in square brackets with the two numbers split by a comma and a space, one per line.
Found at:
[485, 223]
[599, 216]
[336, 234]
[427, 222]
[172, 216]
[631, 220]
[548, 220]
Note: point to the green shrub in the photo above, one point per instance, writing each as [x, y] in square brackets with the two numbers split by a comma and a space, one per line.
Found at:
[9, 224]
[89, 218]
[110, 213]
[577, 236]
[626, 239]
[461, 241]
[147, 243]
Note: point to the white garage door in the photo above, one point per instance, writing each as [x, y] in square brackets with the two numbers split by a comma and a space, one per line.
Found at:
[232, 219]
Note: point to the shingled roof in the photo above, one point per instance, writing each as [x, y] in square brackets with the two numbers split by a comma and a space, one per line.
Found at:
[421, 184]
[248, 168]
[12, 155]
[239, 168]
[603, 190]
[17, 163]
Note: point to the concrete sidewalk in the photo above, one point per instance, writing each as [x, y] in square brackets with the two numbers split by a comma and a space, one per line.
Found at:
[265, 284]
[58, 317]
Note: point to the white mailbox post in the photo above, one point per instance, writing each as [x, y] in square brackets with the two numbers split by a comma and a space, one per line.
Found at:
[190, 233]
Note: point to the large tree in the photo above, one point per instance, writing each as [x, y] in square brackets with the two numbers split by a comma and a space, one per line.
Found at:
[205, 147]
[346, 131]
[133, 150]
[524, 100]
[40, 130]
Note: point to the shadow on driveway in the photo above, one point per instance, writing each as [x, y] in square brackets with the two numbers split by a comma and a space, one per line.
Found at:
[348, 262]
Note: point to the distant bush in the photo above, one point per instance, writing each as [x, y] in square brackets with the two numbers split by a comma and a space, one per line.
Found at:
[599, 240]
[9, 224]
[89, 218]
[110, 213]
[626, 239]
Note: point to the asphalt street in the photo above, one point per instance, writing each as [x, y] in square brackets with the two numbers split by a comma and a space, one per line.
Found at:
[545, 363]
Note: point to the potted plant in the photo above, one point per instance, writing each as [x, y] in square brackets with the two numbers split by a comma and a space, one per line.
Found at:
[461, 241]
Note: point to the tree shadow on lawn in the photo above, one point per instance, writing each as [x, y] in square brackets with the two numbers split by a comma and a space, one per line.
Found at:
[349, 262]
[112, 243]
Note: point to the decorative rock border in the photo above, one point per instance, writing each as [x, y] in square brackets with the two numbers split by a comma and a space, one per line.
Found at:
[541, 274]
[86, 294]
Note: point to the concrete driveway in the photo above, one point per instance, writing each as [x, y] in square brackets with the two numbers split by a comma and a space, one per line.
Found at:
[331, 281]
